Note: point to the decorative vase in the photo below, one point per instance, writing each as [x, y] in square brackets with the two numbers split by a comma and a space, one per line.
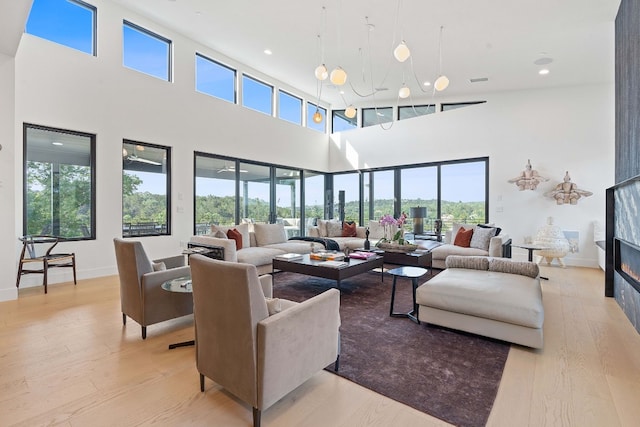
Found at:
[551, 237]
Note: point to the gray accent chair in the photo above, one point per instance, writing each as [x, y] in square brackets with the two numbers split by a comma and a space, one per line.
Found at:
[256, 356]
[141, 295]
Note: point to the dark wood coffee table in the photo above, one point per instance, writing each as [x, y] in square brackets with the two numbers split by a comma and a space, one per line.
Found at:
[419, 258]
[315, 268]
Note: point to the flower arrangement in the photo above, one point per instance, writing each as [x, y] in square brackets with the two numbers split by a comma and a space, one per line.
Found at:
[387, 221]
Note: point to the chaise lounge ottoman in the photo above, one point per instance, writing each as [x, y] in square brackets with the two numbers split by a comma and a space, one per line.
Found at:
[494, 297]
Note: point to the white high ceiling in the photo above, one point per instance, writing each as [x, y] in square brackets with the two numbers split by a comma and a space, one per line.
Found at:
[496, 39]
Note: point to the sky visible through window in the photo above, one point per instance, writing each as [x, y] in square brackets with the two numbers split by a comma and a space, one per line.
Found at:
[64, 22]
[145, 53]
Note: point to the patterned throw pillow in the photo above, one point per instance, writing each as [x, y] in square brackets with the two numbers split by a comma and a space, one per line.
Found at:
[349, 229]
[334, 229]
[463, 237]
[468, 262]
[523, 268]
[482, 237]
[235, 235]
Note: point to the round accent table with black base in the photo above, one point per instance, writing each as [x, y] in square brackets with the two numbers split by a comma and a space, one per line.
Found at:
[180, 285]
[414, 273]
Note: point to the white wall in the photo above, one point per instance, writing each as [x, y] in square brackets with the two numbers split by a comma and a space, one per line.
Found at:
[8, 219]
[60, 87]
[559, 129]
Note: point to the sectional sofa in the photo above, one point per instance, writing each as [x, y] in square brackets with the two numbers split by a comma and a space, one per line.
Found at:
[258, 245]
[487, 242]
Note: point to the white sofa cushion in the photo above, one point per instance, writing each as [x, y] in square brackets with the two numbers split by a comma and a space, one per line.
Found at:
[509, 298]
[268, 234]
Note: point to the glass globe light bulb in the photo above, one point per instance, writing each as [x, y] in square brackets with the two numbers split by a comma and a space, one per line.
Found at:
[338, 77]
[441, 83]
[321, 72]
[317, 117]
[404, 92]
[402, 52]
[350, 112]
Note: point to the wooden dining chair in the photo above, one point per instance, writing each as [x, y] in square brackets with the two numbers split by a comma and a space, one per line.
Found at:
[31, 255]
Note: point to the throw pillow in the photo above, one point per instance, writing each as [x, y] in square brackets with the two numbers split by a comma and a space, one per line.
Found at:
[220, 234]
[468, 262]
[523, 268]
[463, 237]
[234, 234]
[269, 234]
[273, 305]
[376, 230]
[322, 227]
[334, 229]
[159, 266]
[457, 226]
[349, 229]
[482, 237]
[498, 229]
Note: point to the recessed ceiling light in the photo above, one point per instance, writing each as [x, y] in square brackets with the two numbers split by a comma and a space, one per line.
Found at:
[57, 143]
[426, 84]
[543, 72]
[267, 52]
[543, 61]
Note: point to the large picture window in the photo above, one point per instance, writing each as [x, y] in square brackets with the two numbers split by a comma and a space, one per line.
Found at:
[146, 179]
[71, 23]
[145, 51]
[59, 183]
[215, 79]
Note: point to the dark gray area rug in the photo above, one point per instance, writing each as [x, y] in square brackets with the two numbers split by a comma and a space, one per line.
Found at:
[448, 374]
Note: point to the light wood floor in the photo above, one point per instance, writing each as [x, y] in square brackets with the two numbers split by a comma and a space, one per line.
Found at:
[66, 359]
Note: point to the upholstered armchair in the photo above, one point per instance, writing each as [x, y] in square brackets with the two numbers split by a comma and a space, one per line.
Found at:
[141, 295]
[257, 356]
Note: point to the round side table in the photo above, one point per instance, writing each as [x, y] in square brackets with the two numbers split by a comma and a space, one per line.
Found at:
[414, 273]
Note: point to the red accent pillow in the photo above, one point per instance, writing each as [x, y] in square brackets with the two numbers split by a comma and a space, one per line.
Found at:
[463, 237]
[235, 235]
[349, 229]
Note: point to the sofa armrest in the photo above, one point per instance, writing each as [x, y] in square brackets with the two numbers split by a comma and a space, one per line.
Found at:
[229, 245]
[295, 344]
[500, 246]
[172, 261]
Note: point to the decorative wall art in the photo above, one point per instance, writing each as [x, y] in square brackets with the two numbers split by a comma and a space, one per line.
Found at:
[528, 179]
[567, 193]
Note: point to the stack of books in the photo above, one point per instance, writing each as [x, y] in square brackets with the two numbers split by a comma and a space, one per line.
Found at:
[290, 257]
[361, 255]
[327, 256]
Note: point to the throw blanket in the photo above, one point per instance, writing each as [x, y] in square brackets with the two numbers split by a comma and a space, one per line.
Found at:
[329, 244]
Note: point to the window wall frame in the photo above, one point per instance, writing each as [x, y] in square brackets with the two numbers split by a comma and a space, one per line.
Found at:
[153, 35]
[145, 230]
[56, 213]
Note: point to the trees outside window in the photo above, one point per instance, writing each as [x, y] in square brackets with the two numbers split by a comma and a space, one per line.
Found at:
[59, 185]
[146, 178]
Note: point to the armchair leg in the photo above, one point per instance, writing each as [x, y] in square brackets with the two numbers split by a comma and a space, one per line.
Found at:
[201, 382]
[256, 417]
[144, 332]
[336, 365]
[124, 319]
